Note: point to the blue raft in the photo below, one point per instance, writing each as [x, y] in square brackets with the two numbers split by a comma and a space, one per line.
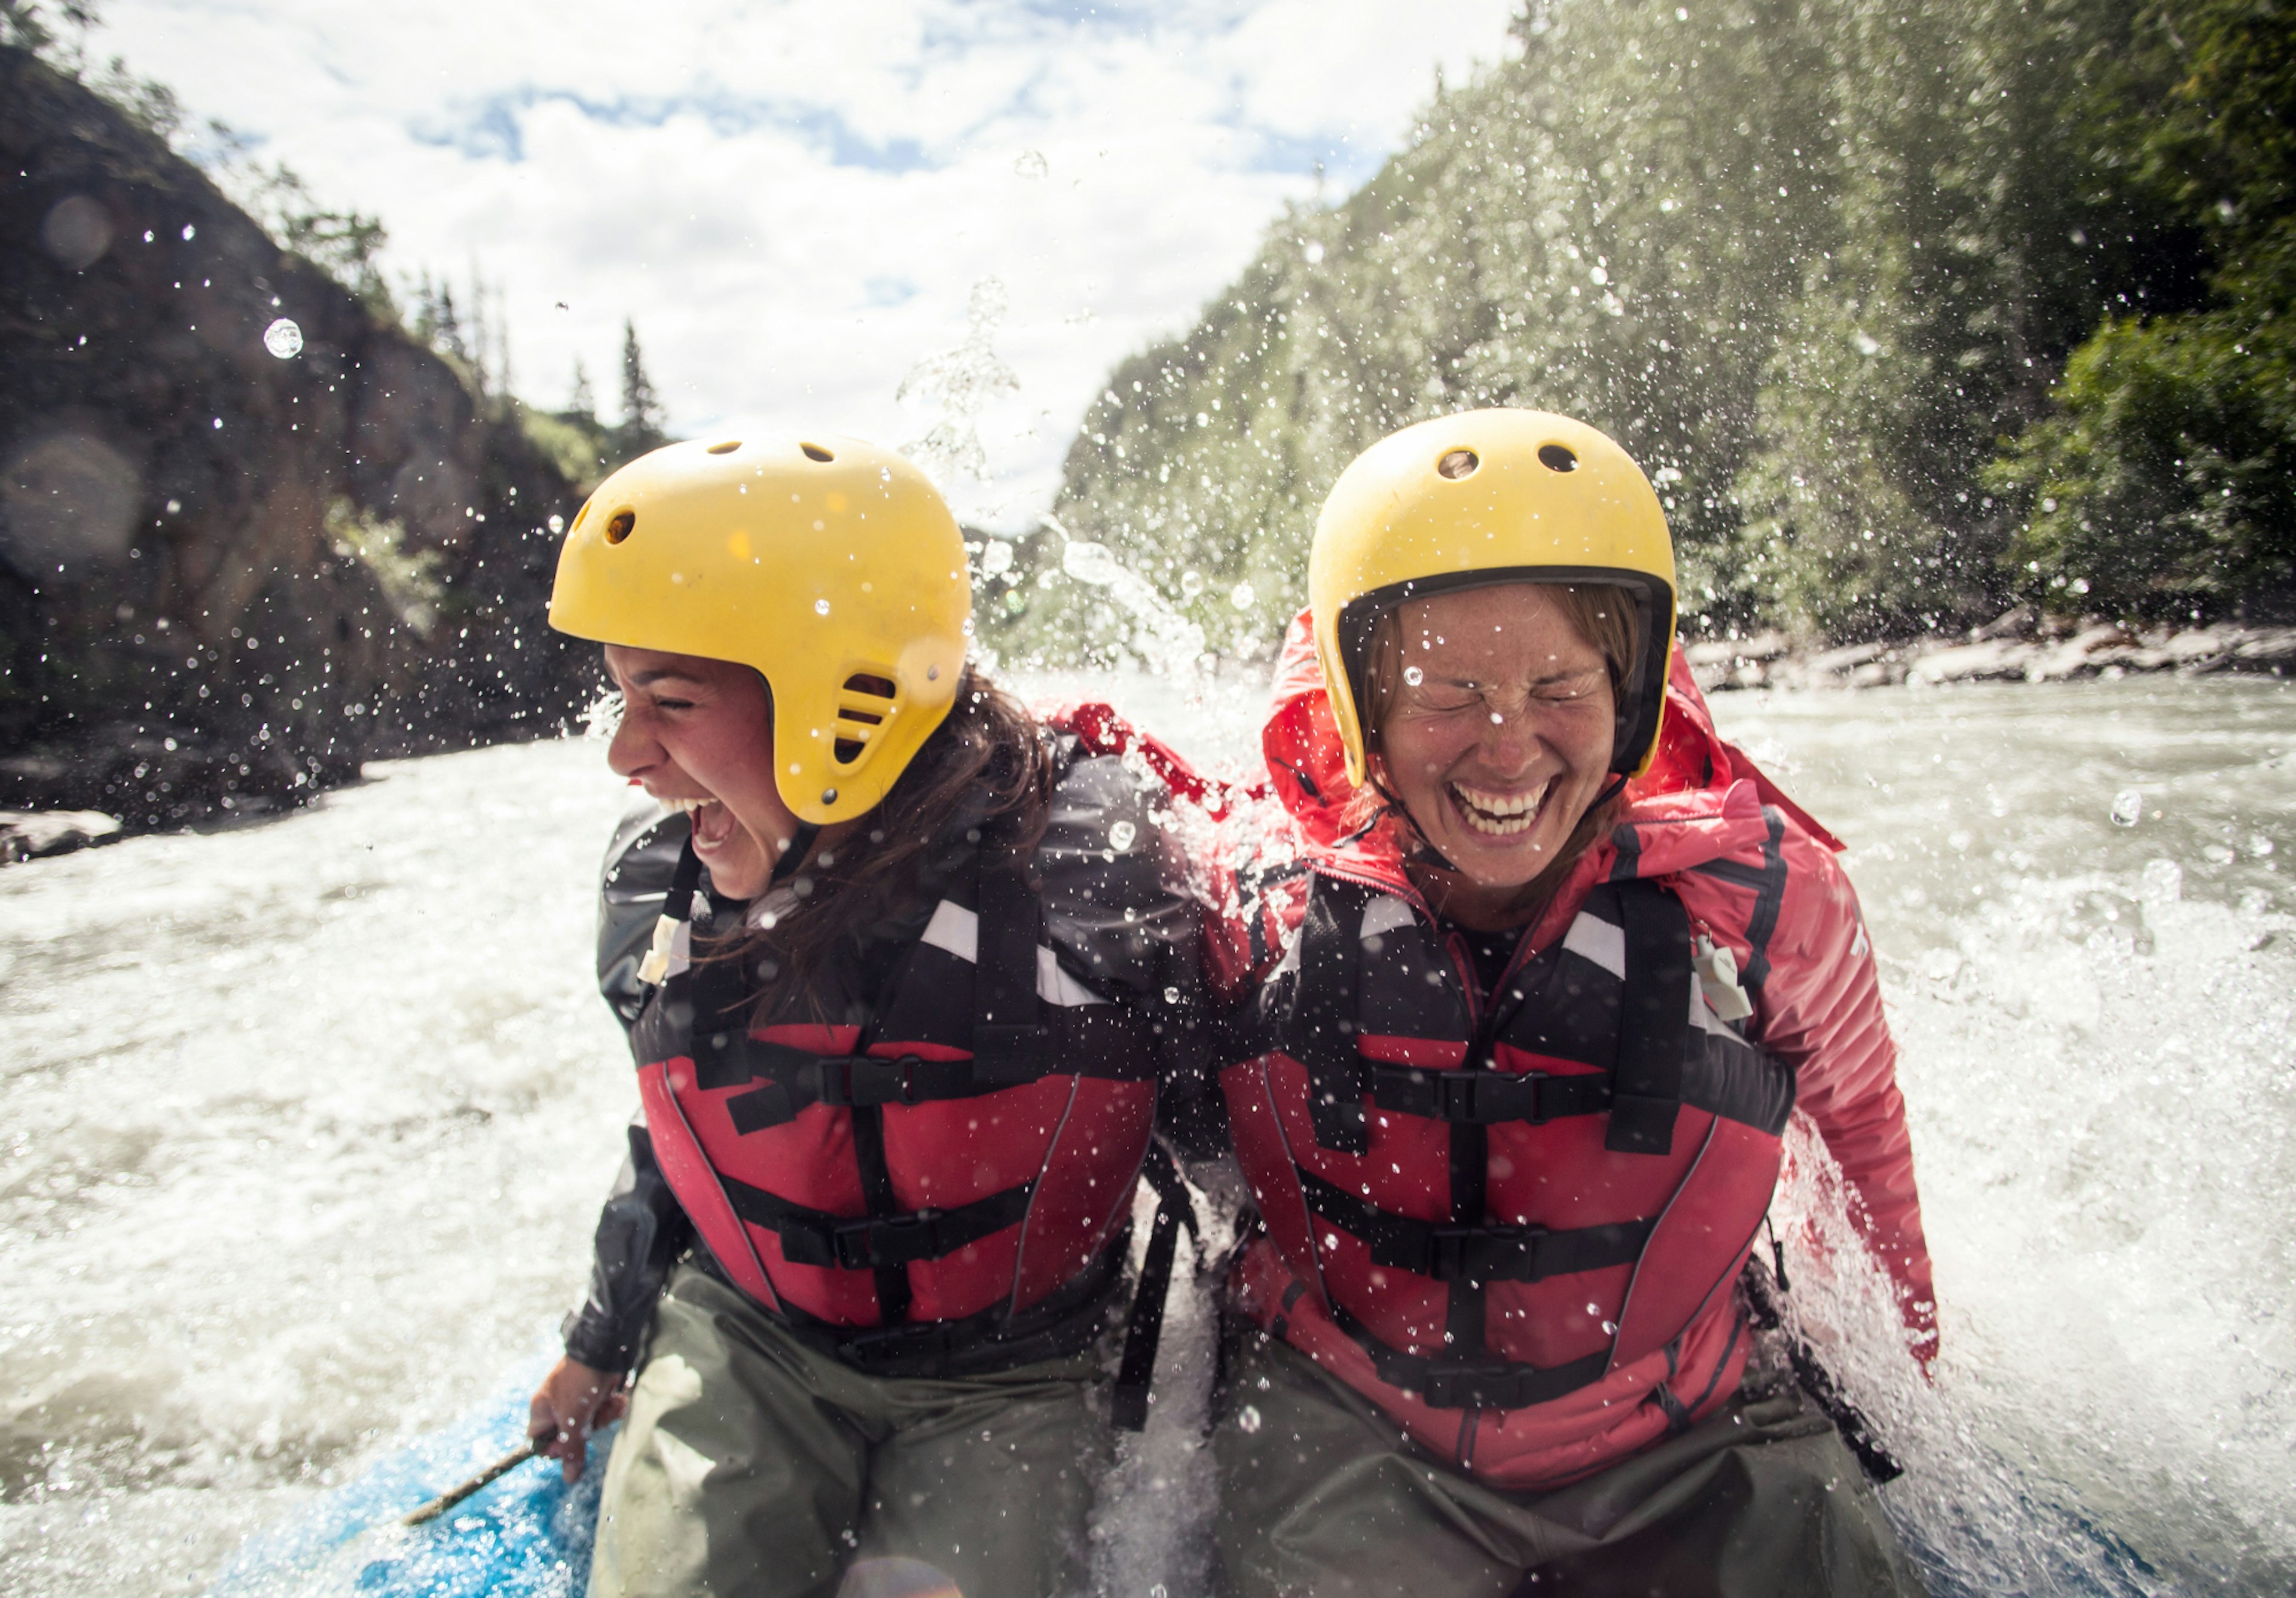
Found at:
[526, 1535]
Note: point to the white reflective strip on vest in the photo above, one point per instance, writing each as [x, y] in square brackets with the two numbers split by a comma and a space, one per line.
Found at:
[1386, 913]
[953, 930]
[956, 930]
[681, 951]
[1593, 938]
[1055, 985]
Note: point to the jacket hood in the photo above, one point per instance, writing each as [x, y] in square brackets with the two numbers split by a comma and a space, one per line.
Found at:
[1701, 799]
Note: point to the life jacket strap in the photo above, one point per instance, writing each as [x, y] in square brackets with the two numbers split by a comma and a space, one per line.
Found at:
[1653, 1021]
[1478, 1384]
[1736, 1081]
[1320, 1032]
[1536, 1097]
[1010, 1042]
[1175, 1208]
[996, 1339]
[876, 1242]
[793, 1080]
[1444, 1252]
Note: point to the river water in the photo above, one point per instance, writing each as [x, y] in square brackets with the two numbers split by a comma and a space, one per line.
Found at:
[306, 1121]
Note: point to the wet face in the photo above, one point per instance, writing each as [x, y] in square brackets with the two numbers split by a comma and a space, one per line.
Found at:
[1499, 737]
[699, 735]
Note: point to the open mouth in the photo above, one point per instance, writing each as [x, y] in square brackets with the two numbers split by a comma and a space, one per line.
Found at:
[712, 822]
[1498, 815]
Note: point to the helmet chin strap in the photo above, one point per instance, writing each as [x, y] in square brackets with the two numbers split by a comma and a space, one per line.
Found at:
[794, 851]
[1426, 850]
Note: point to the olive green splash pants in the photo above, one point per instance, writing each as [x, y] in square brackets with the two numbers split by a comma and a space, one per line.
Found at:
[1322, 1497]
[752, 1465]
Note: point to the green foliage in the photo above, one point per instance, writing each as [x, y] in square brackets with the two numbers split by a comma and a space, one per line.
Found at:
[573, 441]
[1808, 259]
[408, 577]
[2166, 484]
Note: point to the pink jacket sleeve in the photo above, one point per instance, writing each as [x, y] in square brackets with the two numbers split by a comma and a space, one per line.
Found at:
[1820, 1007]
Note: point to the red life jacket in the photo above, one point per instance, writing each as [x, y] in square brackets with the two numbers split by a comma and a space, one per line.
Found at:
[1505, 1203]
[955, 1167]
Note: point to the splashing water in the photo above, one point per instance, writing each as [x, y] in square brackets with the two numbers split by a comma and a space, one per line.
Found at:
[1174, 646]
[962, 381]
[2127, 808]
[283, 338]
[604, 718]
[237, 1284]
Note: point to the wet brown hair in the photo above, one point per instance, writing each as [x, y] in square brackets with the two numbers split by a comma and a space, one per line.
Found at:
[988, 763]
[1603, 614]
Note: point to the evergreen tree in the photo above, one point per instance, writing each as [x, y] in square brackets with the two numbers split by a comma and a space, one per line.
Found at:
[583, 401]
[446, 329]
[642, 418]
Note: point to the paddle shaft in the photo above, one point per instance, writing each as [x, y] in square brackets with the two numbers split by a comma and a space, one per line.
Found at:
[448, 1500]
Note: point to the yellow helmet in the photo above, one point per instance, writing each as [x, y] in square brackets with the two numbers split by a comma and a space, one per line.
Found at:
[824, 563]
[1484, 497]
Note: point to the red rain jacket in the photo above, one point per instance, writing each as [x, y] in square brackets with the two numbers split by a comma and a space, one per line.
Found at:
[1755, 875]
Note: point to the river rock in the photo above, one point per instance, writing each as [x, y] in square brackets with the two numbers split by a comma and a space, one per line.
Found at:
[25, 834]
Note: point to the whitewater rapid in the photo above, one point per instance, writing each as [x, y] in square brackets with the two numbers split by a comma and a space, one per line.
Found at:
[307, 1121]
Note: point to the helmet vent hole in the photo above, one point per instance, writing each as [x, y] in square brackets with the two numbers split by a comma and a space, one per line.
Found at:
[1458, 464]
[1554, 457]
[814, 452]
[726, 448]
[619, 529]
[865, 702]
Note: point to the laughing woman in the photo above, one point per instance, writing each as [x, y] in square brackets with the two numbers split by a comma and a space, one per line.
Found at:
[886, 949]
[1562, 965]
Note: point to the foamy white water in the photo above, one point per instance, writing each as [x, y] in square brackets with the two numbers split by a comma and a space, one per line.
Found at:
[308, 1122]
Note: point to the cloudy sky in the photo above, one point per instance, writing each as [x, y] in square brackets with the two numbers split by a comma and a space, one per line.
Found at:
[796, 200]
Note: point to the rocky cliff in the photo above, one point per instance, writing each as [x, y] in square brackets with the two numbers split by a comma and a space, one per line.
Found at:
[233, 566]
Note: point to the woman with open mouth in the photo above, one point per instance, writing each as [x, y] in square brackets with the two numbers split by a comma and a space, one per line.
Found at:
[901, 968]
[1559, 966]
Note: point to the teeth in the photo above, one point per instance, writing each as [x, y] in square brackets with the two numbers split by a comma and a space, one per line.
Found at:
[1499, 814]
[684, 807]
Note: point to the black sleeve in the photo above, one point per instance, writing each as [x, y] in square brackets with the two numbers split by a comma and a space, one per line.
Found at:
[640, 1231]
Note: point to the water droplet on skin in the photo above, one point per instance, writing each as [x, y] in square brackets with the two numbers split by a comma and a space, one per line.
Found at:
[1413, 676]
[821, 607]
[2127, 808]
[1248, 1421]
[1121, 835]
[283, 338]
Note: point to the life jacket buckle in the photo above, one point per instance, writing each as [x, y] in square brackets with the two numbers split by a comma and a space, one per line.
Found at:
[891, 1240]
[911, 1090]
[1480, 1253]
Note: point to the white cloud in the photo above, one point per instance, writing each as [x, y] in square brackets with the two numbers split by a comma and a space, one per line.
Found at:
[793, 201]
